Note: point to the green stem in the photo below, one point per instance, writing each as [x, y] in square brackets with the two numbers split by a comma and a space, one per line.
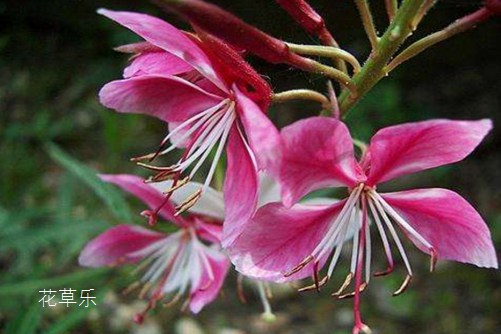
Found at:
[391, 8]
[459, 26]
[422, 12]
[373, 70]
[368, 22]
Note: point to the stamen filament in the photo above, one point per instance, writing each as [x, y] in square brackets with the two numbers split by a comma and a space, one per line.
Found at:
[384, 239]
[393, 233]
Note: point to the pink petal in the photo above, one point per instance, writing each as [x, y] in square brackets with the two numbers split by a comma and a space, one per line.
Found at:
[211, 231]
[113, 246]
[167, 98]
[240, 187]
[412, 147]
[169, 38]
[279, 238]
[208, 288]
[448, 222]
[262, 135]
[317, 153]
[156, 63]
[146, 193]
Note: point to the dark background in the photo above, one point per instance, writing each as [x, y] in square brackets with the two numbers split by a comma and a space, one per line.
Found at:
[55, 55]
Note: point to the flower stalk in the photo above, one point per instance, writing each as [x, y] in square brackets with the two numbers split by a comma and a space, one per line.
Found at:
[326, 51]
[368, 22]
[374, 69]
[313, 23]
[302, 94]
[391, 8]
[461, 25]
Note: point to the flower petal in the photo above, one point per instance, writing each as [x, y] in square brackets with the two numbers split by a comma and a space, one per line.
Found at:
[240, 187]
[408, 148]
[156, 63]
[208, 288]
[113, 246]
[448, 222]
[262, 135]
[279, 238]
[169, 38]
[211, 231]
[145, 192]
[317, 152]
[210, 204]
[167, 98]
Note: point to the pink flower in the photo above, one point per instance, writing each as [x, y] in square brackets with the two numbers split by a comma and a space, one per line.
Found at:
[209, 96]
[187, 262]
[283, 242]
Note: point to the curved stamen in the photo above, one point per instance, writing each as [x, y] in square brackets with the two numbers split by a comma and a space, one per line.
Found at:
[404, 286]
[361, 289]
[300, 266]
[345, 284]
[315, 286]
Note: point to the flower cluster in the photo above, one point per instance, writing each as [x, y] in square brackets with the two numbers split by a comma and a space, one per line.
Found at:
[263, 221]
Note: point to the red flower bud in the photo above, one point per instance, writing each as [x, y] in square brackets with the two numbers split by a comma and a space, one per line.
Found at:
[231, 29]
[307, 18]
[494, 6]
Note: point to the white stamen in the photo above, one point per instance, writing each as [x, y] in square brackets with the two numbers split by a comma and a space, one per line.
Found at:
[354, 250]
[392, 231]
[331, 234]
[202, 142]
[219, 151]
[402, 222]
[221, 136]
[368, 246]
[339, 247]
[382, 233]
[204, 115]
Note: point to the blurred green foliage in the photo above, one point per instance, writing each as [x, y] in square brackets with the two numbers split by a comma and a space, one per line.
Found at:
[55, 138]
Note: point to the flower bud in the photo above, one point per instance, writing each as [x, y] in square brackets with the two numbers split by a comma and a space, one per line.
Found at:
[307, 18]
[226, 26]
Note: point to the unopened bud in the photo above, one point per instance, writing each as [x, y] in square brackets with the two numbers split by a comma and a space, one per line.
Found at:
[226, 26]
[307, 18]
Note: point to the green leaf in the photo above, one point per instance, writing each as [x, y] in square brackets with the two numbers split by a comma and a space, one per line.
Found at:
[69, 321]
[27, 322]
[110, 196]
